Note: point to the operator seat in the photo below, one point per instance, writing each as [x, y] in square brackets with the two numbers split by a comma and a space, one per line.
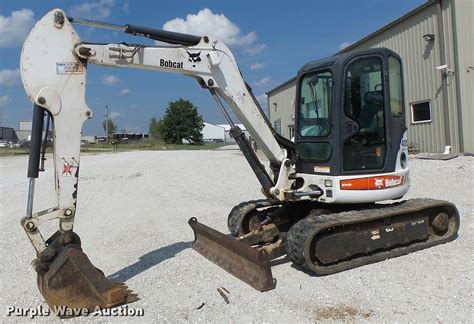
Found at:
[373, 105]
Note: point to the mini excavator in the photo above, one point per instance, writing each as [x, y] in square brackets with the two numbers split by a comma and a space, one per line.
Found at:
[321, 189]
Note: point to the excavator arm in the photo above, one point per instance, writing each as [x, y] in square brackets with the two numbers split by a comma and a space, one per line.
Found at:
[54, 64]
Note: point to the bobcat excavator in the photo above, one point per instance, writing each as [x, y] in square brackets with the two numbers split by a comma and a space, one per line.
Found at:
[349, 152]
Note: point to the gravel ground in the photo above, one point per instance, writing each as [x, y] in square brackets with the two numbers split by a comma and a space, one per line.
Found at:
[132, 217]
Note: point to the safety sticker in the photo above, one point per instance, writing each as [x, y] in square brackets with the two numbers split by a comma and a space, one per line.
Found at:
[63, 68]
[69, 166]
[322, 169]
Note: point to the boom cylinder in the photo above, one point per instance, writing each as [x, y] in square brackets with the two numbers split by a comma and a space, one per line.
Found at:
[163, 35]
[252, 159]
[156, 34]
[35, 145]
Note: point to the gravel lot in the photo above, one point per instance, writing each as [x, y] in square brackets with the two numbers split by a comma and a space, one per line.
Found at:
[132, 217]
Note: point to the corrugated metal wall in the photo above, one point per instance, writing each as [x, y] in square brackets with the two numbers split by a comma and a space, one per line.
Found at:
[453, 105]
[422, 80]
[464, 42]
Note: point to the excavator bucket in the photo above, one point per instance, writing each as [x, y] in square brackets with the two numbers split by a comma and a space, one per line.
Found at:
[72, 286]
[238, 258]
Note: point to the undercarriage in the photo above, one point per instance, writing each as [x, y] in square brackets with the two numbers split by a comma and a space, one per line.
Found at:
[321, 238]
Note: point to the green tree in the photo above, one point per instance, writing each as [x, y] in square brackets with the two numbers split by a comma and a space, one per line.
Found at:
[181, 121]
[154, 129]
[112, 128]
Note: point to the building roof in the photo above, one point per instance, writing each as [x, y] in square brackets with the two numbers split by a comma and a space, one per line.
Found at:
[388, 26]
[211, 124]
[281, 85]
[227, 126]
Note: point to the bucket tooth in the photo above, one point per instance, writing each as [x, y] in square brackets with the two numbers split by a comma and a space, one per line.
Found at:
[74, 283]
[249, 264]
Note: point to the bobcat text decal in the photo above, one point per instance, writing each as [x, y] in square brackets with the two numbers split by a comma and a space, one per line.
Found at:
[171, 64]
[373, 183]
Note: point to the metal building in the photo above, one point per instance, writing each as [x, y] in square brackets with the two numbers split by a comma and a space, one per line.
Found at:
[213, 133]
[8, 134]
[229, 139]
[23, 132]
[436, 43]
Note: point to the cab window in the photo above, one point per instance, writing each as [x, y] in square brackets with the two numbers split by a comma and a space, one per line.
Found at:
[314, 118]
[396, 86]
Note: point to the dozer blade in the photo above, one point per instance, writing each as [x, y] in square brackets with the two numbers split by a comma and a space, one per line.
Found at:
[72, 284]
[249, 264]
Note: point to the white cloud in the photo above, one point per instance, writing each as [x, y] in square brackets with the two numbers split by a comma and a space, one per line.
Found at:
[14, 28]
[263, 81]
[254, 50]
[256, 66]
[9, 77]
[4, 100]
[124, 92]
[110, 80]
[206, 23]
[114, 115]
[125, 8]
[344, 45]
[92, 9]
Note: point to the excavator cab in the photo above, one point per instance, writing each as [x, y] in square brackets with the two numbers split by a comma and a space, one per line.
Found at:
[349, 113]
[351, 143]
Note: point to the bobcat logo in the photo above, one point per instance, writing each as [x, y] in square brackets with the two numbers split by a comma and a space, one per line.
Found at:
[378, 183]
[194, 58]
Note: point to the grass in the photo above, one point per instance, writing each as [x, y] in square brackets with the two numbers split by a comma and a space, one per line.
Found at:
[14, 151]
[147, 145]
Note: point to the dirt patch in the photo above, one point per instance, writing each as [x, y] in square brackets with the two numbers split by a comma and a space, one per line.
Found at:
[341, 313]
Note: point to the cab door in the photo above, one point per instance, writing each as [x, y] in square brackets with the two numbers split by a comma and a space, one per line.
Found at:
[363, 116]
[314, 122]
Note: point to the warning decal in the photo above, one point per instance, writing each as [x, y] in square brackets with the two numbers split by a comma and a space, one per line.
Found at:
[69, 166]
[63, 68]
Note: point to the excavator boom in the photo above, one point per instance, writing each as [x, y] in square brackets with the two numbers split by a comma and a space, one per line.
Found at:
[54, 64]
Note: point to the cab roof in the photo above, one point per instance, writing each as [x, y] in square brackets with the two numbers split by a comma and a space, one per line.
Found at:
[340, 58]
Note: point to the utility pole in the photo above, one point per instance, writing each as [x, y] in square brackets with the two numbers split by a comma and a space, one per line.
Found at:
[106, 124]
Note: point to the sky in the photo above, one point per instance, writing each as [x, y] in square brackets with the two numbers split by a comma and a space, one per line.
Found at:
[271, 40]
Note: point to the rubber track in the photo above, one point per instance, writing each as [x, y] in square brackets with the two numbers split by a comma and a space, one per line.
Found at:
[240, 211]
[308, 227]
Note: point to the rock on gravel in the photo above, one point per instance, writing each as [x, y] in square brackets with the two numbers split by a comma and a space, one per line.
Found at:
[132, 217]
